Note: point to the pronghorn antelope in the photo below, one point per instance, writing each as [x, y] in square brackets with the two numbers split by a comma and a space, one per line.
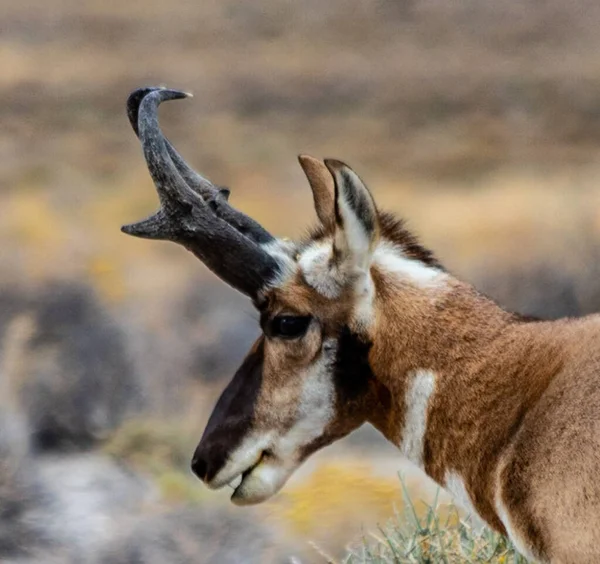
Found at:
[360, 323]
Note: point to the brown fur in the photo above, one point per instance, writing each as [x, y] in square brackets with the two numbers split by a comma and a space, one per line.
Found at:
[513, 399]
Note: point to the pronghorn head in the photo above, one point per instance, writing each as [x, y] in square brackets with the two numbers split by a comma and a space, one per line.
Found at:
[307, 381]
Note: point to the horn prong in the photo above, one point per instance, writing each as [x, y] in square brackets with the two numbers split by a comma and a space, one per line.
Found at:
[154, 227]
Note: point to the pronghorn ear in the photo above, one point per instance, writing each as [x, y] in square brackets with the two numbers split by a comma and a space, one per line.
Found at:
[323, 189]
[356, 217]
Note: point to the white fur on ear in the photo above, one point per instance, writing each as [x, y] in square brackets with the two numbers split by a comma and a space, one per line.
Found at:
[357, 223]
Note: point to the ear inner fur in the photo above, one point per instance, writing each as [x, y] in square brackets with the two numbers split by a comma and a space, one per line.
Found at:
[356, 217]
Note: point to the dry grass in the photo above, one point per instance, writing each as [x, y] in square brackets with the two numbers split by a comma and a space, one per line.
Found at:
[438, 534]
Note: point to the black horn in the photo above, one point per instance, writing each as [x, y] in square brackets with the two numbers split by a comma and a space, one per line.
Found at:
[194, 212]
[215, 196]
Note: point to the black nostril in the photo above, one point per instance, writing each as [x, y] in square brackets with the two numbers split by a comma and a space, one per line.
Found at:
[199, 467]
[208, 460]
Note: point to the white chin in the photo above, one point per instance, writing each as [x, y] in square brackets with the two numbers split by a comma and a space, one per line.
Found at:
[264, 481]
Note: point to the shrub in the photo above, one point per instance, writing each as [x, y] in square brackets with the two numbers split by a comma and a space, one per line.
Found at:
[433, 537]
[77, 378]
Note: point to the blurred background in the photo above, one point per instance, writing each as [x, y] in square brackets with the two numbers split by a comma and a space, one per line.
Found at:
[478, 121]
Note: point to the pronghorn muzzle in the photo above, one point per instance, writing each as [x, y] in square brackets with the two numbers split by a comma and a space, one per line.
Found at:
[239, 447]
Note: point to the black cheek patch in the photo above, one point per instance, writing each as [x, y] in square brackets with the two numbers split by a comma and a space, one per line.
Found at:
[352, 370]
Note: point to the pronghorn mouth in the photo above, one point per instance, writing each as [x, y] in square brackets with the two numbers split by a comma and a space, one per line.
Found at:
[237, 482]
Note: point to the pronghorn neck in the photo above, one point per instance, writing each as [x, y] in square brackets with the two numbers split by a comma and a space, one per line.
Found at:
[460, 373]
[427, 330]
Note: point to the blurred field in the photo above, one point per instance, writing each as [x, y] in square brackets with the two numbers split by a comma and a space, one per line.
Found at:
[477, 121]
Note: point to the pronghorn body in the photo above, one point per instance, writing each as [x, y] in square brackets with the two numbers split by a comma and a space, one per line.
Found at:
[362, 324]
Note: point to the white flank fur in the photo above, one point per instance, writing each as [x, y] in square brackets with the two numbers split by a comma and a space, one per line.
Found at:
[421, 386]
[510, 531]
[453, 483]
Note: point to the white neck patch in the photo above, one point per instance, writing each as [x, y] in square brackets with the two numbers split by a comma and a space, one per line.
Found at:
[454, 484]
[391, 259]
[420, 388]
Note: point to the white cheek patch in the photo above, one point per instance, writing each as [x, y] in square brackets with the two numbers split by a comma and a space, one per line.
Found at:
[391, 259]
[420, 388]
[316, 404]
[314, 411]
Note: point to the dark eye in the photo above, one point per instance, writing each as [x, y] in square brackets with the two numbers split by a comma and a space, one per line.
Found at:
[289, 326]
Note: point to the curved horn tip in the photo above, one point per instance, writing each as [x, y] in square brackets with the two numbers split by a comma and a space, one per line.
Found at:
[134, 101]
[139, 94]
[171, 94]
